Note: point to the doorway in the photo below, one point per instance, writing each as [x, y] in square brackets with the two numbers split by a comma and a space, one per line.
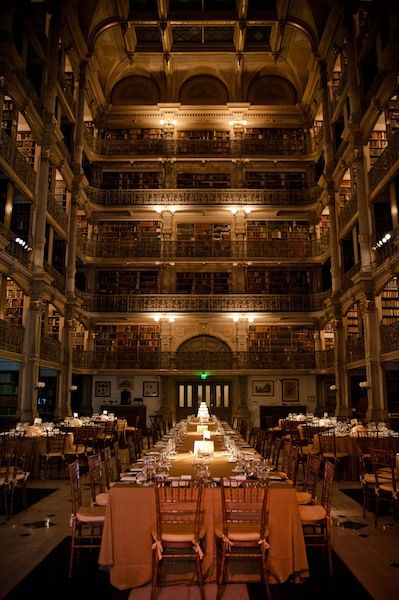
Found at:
[216, 394]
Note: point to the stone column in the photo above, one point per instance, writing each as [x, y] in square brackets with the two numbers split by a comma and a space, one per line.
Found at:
[30, 368]
[341, 376]
[376, 410]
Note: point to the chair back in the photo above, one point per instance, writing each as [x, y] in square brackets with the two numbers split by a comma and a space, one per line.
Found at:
[312, 474]
[275, 451]
[76, 490]
[55, 443]
[383, 462]
[108, 466]
[285, 461]
[327, 441]
[96, 475]
[179, 506]
[244, 505]
[293, 461]
[327, 488]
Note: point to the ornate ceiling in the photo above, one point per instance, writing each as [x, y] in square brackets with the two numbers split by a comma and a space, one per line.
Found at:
[201, 52]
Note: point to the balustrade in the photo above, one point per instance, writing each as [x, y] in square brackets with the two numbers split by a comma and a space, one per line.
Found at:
[224, 148]
[50, 349]
[184, 197]
[57, 211]
[58, 279]
[347, 211]
[116, 303]
[355, 348]
[12, 156]
[390, 337]
[240, 250]
[11, 336]
[384, 163]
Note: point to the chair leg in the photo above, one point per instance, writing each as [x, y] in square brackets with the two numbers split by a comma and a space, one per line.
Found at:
[200, 579]
[265, 576]
[71, 556]
[222, 573]
[155, 575]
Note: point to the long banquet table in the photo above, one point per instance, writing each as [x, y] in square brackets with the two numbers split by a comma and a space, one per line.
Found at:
[126, 547]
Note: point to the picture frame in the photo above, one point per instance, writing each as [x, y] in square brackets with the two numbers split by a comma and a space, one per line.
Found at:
[103, 389]
[150, 389]
[290, 390]
[262, 388]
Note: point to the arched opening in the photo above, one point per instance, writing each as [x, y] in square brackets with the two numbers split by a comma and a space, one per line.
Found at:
[206, 355]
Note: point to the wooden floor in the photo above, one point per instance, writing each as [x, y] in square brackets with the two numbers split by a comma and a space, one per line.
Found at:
[372, 555]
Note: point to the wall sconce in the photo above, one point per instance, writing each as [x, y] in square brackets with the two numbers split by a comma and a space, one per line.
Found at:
[238, 122]
[364, 385]
[40, 385]
[238, 318]
[158, 318]
[167, 122]
[333, 388]
[73, 388]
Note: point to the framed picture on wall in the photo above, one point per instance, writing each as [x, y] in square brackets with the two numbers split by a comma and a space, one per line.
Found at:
[103, 389]
[262, 388]
[290, 390]
[150, 389]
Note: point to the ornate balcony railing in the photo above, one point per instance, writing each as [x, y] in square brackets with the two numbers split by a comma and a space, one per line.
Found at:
[384, 162]
[117, 303]
[355, 348]
[200, 148]
[11, 337]
[18, 251]
[126, 358]
[390, 337]
[10, 153]
[339, 89]
[181, 197]
[239, 250]
[30, 91]
[58, 278]
[57, 211]
[50, 349]
[385, 251]
[347, 211]
[346, 278]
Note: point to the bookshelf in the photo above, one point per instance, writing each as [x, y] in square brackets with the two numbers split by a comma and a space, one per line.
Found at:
[352, 321]
[53, 323]
[60, 192]
[274, 181]
[8, 115]
[136, 133]
[8, 392]
[268, 230]
[143, 231]
[344, 192]
[79, 336]
[203, 180]
[128, 282]
[393, 114]
[134, 180]
[14, 304]
[203, 231]
[202, 283]
[292, 139]
[264, 338]
[390, 302]
[204, 134]
[377, 143]
[26, 146]
[139, 337]
[276, 281]
[82, 226]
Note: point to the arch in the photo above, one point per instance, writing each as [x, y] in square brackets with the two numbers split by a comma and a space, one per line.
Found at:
[203, 89]
[272, 89]
[135, 90]
[204, 352]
